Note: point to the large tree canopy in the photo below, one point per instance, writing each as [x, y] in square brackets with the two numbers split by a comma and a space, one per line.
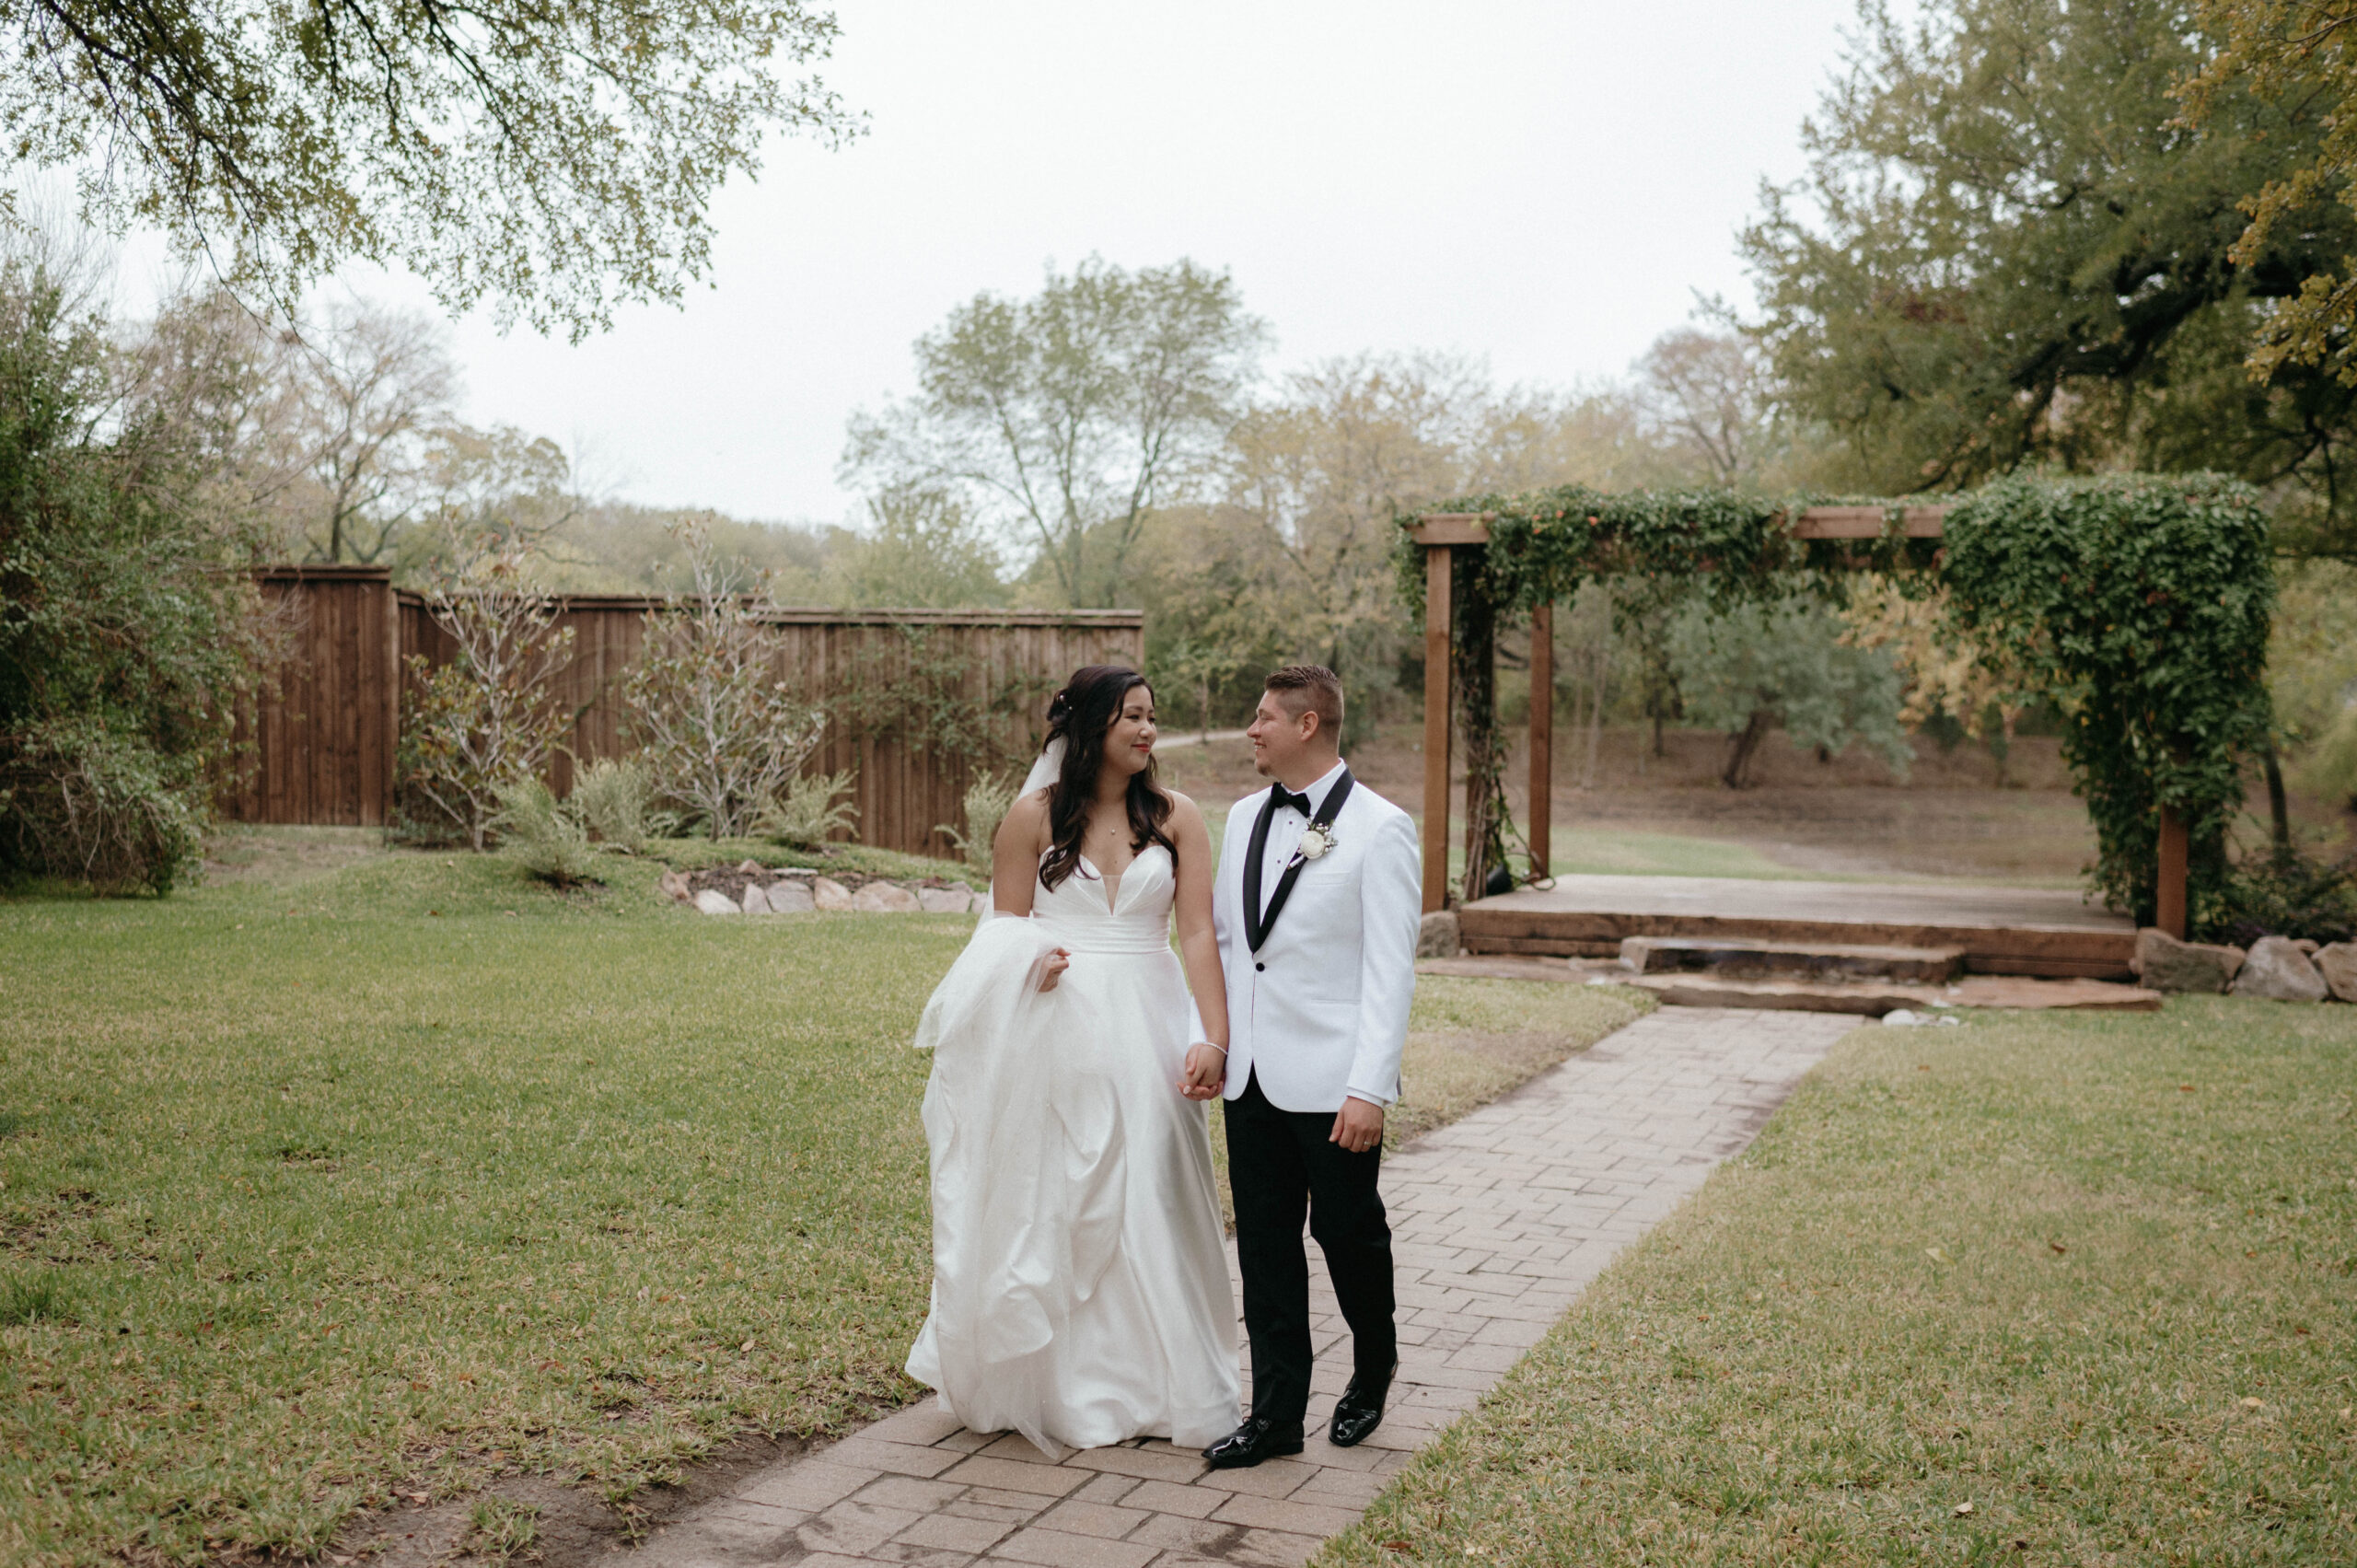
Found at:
[2010, 248]
[1068, 418]
[556, 154]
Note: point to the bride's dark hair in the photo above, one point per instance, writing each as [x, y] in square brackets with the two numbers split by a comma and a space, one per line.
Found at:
[1080, 715]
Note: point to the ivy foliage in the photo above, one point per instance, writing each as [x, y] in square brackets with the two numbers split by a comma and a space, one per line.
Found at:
[1731, 546]
[2142, 603]
[2139, 602]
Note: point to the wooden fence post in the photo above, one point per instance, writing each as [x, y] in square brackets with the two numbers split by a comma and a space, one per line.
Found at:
[1438, 582]
[1542, 736]
[2170, 915]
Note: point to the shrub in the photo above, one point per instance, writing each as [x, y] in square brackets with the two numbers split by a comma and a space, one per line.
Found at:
[615, 799]
[721, 732]
[128, 627]
[104, 808]
[2331, 768]
[487, 718]
[988, 800]
[810, 812]
[544, 835]
[2290, 894]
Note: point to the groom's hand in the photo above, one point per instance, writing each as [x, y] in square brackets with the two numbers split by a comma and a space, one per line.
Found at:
[1358, 1126]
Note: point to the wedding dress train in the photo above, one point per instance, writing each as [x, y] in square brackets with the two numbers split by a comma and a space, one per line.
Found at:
[1080, 1291]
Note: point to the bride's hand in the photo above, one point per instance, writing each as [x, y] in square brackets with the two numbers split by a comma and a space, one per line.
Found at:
[1052, 967]
[1206, 1073]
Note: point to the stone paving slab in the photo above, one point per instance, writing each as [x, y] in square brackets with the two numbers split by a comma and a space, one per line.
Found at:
[1498, 1221]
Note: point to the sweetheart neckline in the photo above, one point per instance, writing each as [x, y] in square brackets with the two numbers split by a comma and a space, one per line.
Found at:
[1121, 878]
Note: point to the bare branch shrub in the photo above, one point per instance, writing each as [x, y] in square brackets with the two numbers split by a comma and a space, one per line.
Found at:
[487, 718]
[721, 732]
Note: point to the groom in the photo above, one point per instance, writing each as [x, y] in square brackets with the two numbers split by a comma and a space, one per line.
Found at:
[1315, 908]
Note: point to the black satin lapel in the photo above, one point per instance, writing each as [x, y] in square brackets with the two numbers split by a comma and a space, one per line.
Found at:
[1254, 930]
[1326, 812]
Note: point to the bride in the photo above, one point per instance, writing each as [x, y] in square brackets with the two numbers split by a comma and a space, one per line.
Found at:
[1079, 1292]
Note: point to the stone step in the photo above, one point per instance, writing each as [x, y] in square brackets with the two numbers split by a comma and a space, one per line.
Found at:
[1872, 999]
[1739, 959]
[1866, 998]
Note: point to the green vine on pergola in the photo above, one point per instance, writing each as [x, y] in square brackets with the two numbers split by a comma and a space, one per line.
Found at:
[2138, 603]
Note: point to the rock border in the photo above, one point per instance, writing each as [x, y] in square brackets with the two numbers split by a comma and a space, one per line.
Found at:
[749, 888]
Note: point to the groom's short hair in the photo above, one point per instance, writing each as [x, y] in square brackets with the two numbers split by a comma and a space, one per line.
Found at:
[1311, 689]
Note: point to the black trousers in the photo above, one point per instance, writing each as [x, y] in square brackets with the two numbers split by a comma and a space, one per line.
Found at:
[1280, 1167]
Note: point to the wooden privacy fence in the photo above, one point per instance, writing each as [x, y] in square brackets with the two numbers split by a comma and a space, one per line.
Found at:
[920, 701]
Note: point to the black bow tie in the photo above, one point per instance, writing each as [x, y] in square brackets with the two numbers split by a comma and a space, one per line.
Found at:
[1286, 797]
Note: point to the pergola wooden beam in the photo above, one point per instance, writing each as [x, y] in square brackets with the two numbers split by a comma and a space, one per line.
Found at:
[1443, 533]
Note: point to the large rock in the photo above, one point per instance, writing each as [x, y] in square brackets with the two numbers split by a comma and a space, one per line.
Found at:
[2167, 964]
[955, 899]
[712, 901]
[2279, 971]
[790, 897]
[1438, 936]
[885, 898]
[2338, 964]
[757, 900]
[826, 894]
[749, 866]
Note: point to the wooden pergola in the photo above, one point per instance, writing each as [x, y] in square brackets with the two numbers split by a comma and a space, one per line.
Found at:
[1442, 534]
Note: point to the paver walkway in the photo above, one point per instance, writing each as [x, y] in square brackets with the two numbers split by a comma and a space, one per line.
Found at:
[1498, 1220]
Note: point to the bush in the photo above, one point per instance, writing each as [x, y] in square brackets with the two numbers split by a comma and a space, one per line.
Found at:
[615, 799]
[2290, 894]
[811, 814]
[544, 835]
[2330, 769]
[128, 627]
[86, 802]
[988, 800]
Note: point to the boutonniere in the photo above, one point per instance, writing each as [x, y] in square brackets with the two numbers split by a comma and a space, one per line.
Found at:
[1316, 840]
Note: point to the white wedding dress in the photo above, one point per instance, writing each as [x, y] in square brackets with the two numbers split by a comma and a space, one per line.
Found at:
[1080, 1290]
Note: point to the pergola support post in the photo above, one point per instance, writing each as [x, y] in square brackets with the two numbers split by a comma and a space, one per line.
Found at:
[2170, 914]
[1542, 738]
[1439, 579]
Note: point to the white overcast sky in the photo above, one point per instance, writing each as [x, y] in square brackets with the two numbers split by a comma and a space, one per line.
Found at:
[1546, 185]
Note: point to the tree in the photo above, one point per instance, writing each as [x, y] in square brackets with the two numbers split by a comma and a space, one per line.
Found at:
[921, 550]
[559, 154]
[2008, 251]
[1745, 669]
[377, 384]
[2279, 51]
[1067, 418]
[1707, 393]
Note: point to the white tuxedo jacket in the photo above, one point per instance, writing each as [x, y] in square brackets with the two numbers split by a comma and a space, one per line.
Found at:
[1320, 1013]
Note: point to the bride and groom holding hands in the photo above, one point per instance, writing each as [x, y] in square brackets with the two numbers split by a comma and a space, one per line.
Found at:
[1079, 1292]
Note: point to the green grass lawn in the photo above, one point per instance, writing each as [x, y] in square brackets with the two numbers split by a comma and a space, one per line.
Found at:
[2053, 1288]
[356, 1173]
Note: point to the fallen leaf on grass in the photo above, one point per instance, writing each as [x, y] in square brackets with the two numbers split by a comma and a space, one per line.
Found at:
[1936, 1254]
[2059, 1248]
[1962, 1509]
[2249, 1404]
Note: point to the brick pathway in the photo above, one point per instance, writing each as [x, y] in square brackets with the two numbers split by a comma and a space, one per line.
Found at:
[1498, 1221]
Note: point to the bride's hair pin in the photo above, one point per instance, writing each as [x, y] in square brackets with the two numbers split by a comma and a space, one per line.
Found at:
[1080, 715]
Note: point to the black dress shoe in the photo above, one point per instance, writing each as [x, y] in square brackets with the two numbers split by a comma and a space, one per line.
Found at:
[1256, 1440]
[1360, 1409]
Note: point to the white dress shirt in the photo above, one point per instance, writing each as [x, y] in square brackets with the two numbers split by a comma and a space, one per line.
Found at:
[1285, 835]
